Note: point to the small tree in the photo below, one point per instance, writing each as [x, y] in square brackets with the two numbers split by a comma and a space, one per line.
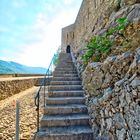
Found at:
[56, 55]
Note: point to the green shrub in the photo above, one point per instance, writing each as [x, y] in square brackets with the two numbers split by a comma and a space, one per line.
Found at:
[101, 44]
[56, 55]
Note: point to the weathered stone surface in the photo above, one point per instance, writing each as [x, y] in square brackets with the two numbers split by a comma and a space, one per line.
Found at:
[135, 13]
[128, 2]
[27, 115]
[13, 86]
[114, 107]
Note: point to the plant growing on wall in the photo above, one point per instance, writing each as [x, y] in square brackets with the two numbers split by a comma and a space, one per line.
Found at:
[100, 45]
[56, 55]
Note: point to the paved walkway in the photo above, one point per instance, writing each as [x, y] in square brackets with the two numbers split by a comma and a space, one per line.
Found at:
[27, 113]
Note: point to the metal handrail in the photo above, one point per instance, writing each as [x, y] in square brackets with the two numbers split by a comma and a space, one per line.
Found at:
[43, 84]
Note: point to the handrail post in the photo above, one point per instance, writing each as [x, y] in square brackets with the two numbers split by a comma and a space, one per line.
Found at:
[17, 120]
[44, 90]
[48, 80]
[38, 113]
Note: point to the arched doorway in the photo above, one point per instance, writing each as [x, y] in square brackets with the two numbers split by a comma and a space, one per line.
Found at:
[68, 49]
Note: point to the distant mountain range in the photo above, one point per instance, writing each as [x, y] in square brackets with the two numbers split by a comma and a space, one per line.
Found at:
[9, 67]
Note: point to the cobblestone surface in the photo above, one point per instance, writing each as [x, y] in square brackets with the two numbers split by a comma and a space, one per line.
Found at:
[27, 116]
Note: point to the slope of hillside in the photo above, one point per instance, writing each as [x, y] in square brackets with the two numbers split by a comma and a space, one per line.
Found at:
[9, 67]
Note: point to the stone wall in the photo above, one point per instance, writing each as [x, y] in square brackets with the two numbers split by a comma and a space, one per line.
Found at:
[13, 86]
[19, 75]
[93, 16]
[67, 37]
[113, 96]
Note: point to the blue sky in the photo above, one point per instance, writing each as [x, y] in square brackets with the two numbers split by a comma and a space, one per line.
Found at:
[30, 30]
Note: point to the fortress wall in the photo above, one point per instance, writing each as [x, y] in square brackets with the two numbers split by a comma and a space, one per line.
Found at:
[93, 16]
[67, 37]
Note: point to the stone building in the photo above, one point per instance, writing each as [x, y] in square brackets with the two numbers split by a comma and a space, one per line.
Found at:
[93, 16]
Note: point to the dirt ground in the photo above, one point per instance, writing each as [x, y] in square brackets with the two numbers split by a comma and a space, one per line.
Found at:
[27, 115]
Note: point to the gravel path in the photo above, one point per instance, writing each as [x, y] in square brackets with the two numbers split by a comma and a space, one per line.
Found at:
[27, 116]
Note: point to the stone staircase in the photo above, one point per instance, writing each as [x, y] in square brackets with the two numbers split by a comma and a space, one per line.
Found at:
[65, 115]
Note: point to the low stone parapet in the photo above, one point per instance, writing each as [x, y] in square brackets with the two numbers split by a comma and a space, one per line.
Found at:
[11, 86]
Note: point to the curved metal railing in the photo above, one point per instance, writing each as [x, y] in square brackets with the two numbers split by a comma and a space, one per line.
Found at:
[45, 81]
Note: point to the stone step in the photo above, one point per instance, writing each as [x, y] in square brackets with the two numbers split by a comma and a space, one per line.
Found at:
[66, 65]
[65, 78]
[65, 100]
[66, 57]
[65, 69]
[65, 75]
[65, 109]
[65, 82]
[65, 115]
[64, 72]
[72, 93]
[64, 120]
[66, 87]
[65, 133]
[68, 62]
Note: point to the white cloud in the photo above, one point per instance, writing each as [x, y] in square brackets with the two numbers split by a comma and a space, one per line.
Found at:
[4, 29]
[40, 52]
[41, 22]
[19, 3]
[49, 7]
[68, 2]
